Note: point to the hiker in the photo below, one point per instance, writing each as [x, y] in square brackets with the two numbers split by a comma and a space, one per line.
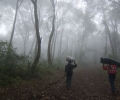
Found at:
[112, 70]
[69, 72]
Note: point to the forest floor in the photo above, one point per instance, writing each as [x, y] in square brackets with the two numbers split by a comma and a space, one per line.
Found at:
[87, 84]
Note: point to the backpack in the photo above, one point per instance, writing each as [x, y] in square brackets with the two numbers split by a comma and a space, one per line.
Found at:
[69, 69]
[112, 69]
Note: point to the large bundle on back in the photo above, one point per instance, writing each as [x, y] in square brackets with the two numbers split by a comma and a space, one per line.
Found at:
[109, 61]
[69, 58]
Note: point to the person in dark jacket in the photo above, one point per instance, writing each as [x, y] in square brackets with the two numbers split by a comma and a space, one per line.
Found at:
[69, 72]
[111, 70]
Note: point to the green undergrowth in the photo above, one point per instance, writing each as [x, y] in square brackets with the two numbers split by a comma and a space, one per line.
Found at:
[16, 67]
[42, 73]
[6, 80]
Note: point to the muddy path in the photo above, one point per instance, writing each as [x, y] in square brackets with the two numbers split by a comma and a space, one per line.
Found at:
[87, 84]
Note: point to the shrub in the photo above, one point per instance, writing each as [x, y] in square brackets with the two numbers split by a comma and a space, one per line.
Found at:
[12, 65]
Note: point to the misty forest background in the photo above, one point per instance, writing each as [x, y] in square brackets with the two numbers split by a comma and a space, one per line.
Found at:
[36, 35]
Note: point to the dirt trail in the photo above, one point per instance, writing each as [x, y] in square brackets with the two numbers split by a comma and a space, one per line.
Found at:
[87, 84]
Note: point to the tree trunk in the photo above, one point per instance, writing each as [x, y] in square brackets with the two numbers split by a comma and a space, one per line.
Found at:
[53, 46]
[13, 28]
[108, 32]
[49, 52]
[36, 60]
[106, 46]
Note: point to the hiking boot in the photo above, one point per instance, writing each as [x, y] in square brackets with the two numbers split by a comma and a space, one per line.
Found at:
[66, 86]
[114, 93]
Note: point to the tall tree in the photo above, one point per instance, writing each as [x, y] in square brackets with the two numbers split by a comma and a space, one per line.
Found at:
[13, 28]
[49, 52]
[111, 30]
[36, 60]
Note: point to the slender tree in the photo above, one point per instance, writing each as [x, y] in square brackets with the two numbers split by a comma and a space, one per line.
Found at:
[36, 60]
[49, 52]
[13, 28]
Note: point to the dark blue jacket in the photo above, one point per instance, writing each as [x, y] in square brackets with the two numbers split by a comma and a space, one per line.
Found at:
[69, 69]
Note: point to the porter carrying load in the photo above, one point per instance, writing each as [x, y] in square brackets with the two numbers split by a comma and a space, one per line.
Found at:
[109, 61]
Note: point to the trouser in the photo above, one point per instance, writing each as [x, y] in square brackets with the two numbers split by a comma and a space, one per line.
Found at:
[112, 80]
[68, 80]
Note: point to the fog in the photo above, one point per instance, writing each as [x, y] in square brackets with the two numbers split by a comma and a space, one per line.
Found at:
[84, 29]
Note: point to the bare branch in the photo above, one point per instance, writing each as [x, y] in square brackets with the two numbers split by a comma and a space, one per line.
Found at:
[114, 2]
[32, 1]
[20, 3]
